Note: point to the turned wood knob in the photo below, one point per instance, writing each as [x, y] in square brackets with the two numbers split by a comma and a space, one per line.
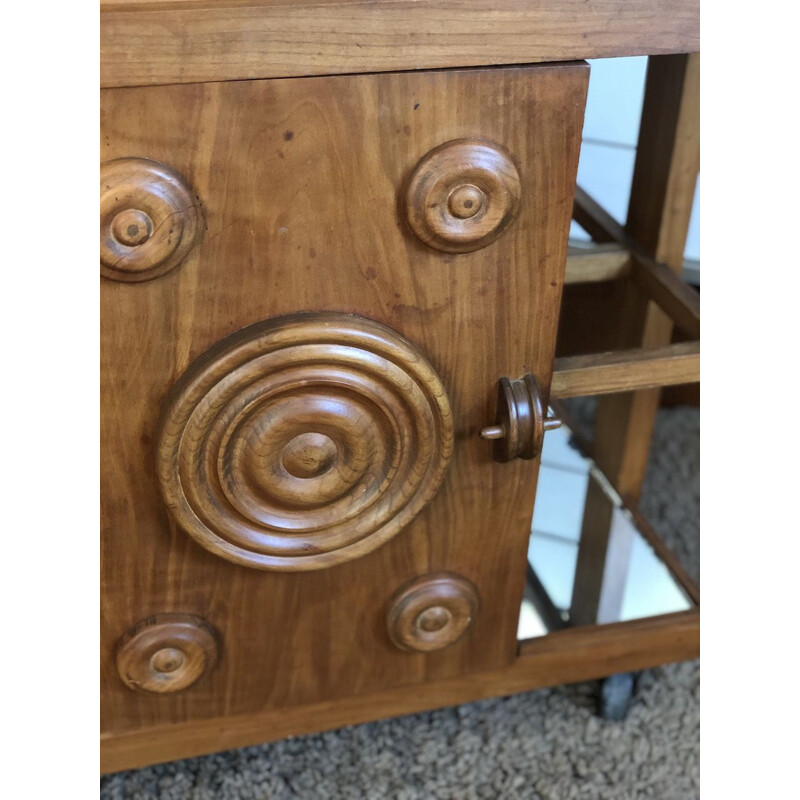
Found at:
[431, 612]
[304, 441]
[462, 195]
[149, 219]
[521, 423]
[167, 653]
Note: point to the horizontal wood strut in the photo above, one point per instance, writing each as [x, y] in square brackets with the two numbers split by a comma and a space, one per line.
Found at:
[145, 42]
[603, 262]
[619, 256]
[626, 370]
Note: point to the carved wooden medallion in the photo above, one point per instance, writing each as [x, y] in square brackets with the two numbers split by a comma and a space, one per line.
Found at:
[167, 653]
[304, 441]
[149, 219]
[431, 612]
[462, 195]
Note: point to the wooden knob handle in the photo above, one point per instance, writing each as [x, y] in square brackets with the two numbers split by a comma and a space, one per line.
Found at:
[520, 424]
[149, 219]
[167, 653]
[431, 612]
[462, 195]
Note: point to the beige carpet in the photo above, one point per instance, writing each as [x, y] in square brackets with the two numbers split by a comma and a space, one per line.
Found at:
[544, 745]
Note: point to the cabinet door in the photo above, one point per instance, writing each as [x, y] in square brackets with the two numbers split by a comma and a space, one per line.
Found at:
[310, 290]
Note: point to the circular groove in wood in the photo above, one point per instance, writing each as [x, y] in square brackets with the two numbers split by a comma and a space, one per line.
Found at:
[132, 227]
[149, 219]
[432, 612]
[308, 455]
[303, 442]
[167, 653]
[462, 195]
[465, 201]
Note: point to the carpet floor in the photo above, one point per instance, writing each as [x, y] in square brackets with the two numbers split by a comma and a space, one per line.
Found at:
[543, 745]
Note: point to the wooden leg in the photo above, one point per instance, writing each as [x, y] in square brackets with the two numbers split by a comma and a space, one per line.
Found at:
[662, 193]
[664, 180]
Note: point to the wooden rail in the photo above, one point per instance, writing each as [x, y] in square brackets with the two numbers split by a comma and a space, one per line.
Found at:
[677, 299]
[626, 370]
[188, 41]
[604, 262]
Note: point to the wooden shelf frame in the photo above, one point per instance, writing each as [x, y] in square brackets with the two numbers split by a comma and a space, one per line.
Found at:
[618, 256]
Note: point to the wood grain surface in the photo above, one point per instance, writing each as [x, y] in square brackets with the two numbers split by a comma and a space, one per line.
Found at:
[431, 612]
[576, 654]
[462, 195]
[186, 41]
[626, 370]
[167, 653]
[149, 219]
[301, 183]
[304, 441]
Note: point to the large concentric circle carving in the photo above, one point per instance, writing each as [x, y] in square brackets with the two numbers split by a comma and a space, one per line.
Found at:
[304, 441]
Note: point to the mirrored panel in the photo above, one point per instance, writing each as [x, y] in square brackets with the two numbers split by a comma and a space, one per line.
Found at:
[589, 562]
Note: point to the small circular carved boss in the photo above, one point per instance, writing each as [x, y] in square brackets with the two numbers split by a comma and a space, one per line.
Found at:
[431, 612]
[462, 195]
[167, 653]
[149, 219]
[303, 442]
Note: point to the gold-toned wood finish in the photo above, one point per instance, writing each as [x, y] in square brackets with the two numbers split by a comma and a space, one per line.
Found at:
[462, 195]
[167, 653]
[303, 441]
[431, 612]
[149, 219]
[302, 183]
[185, 41]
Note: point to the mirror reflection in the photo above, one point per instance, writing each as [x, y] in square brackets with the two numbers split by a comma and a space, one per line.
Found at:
[588, 561]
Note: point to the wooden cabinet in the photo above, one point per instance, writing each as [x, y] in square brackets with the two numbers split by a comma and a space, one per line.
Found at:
[310, 288]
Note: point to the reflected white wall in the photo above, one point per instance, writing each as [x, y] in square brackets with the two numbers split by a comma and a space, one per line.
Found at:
[610, 133]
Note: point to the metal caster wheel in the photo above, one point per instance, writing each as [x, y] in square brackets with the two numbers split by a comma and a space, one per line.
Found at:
[614, 696]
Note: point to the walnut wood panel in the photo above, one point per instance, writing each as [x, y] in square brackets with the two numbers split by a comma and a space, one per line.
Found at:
[183, 41]
[301, 184]
[568, 656]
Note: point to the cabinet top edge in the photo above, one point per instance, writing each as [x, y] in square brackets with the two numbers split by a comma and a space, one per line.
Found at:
[151, 42]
